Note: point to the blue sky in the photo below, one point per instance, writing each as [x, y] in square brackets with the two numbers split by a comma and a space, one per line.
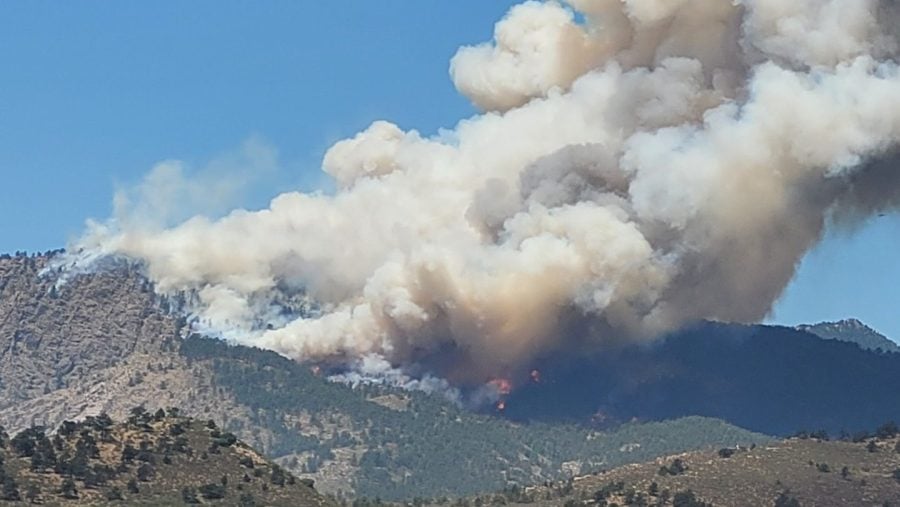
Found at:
[93, 94]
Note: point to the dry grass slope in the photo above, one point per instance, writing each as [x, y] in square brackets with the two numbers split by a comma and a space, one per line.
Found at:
[810, 471]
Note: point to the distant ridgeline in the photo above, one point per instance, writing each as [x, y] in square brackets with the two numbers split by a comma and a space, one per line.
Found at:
[853, 331]
[771, 379]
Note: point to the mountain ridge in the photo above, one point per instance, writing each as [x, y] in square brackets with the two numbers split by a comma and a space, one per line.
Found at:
[104, 342]
[852, 331]
[772, 379]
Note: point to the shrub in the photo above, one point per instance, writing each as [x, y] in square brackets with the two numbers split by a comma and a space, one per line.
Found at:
[887, 430]
[784, 500]
[68, 489]
[188, 495]
[277, 476]
[10, 489]
[114, 493]
[687, 499]
[145, 472]
[212, 491]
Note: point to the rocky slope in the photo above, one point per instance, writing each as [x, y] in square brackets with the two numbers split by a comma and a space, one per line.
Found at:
[97, 343]
[152, 459]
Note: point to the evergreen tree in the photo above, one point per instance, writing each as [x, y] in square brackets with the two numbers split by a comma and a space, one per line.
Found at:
[189, 496]
[33, 494]
[114, 493]
[68, 489]
[10, 489]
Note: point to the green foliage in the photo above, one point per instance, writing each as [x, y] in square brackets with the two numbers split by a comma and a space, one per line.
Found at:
[146, 472]
[33, 494]
[688, 499]
[887, 430]
[212, 491]
[10, 489]
[114, 493]
[68, 489]
[225, 440]
[189, 495]
[606, 491]
[677, 467]
[278, 477]
[26, 442]
[785, 500]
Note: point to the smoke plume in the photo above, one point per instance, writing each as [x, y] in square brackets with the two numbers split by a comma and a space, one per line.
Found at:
[639, 164]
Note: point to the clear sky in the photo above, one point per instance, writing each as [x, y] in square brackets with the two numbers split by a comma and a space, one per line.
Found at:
[93, 94]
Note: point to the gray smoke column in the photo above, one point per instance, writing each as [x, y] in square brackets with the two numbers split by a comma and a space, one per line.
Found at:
[642, 165]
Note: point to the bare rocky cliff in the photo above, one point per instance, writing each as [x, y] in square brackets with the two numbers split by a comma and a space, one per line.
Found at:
[97, 343]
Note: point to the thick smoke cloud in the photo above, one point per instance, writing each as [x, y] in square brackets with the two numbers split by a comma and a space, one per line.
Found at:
[641, 165]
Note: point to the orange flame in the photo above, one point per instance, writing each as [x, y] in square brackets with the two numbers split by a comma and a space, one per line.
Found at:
[502, 385]
[501, 406]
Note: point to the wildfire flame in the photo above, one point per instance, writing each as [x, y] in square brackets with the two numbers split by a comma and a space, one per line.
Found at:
[501, 385]
[536, 376]
[501, 406]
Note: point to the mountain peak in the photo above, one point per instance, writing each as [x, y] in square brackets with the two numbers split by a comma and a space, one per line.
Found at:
[854, 331]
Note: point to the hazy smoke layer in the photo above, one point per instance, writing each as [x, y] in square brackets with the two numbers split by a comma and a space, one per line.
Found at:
[643, 164]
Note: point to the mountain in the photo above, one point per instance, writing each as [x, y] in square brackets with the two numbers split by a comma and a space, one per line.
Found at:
[774, 380]
[853, 331]
[792, 473]
[152, 459]
[105, 342]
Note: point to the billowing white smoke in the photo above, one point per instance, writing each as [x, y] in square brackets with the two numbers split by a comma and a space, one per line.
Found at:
[644, 164]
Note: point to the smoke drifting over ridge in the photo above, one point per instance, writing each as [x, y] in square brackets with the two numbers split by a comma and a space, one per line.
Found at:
[646, 164]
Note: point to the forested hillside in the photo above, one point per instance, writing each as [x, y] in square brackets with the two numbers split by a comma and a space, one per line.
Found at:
[771, 379]
[388, 434]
